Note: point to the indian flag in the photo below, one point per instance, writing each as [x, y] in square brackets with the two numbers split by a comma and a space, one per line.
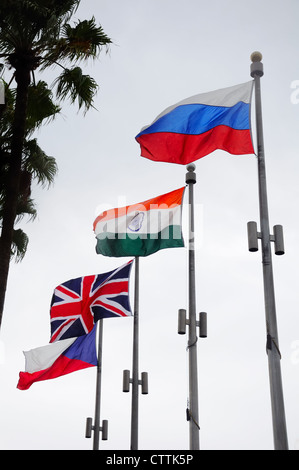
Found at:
[141, 229]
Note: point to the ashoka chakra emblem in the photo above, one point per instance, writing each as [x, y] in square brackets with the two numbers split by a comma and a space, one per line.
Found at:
[136, 222]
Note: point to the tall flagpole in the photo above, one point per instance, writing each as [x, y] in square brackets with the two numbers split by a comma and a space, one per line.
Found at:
[192, 409]
[96, 428]
[192, 339]
[276, 391]
[135, 367]
[135, 364]
[96, 433]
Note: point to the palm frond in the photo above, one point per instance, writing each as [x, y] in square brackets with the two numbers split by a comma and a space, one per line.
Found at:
[26, 24]
[74, 84]
[19, 245]
[25, 207]
[42, 167]
[40, 107]
[80, 42]
[85, 39]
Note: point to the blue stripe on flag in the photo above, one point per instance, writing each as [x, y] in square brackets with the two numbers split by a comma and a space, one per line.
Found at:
[194, 119]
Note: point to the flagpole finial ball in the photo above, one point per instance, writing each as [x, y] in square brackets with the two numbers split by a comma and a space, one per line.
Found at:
[191, 167]
[191, 176]
[256, 56]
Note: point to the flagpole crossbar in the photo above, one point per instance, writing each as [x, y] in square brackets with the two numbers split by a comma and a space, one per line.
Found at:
[201, 323]
[90, 427]
[254, 235]
[143, 382]
[96, 428]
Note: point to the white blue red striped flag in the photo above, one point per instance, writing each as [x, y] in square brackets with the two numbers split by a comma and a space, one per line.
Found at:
[58, 359]
[198, 125]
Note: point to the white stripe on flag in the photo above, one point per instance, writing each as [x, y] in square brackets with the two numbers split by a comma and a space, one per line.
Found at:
[43, 357]
[152, 221]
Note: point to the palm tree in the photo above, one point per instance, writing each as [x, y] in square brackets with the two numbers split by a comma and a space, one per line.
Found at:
[35, 35]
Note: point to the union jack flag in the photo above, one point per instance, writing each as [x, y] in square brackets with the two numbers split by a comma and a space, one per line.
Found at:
[79, 303]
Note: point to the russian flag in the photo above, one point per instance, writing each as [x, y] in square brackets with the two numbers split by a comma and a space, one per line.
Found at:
[57, 359]
[196, 126]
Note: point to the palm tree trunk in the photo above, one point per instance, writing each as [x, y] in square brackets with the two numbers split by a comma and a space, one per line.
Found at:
[13, 179]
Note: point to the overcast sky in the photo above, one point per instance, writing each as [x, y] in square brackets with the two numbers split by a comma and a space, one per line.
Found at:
[164, 51]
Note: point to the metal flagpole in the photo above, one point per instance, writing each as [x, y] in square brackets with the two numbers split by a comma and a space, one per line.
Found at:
[277, 403]
[135, 365]
[96, 433]
[192, 339]
[96, 428]
[192, 409]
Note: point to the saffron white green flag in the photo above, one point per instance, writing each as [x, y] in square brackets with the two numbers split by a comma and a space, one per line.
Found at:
[141, 229]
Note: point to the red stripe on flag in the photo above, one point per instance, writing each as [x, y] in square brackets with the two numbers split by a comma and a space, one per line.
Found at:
[62, 366]
[184, 149]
